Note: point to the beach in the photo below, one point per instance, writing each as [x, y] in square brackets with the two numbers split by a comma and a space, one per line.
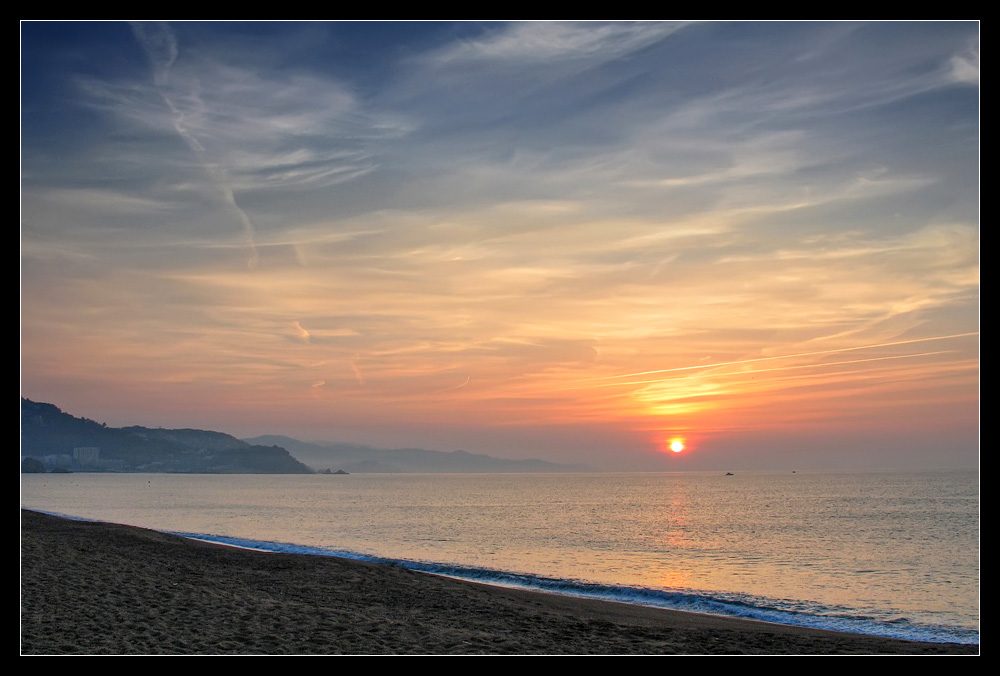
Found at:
[98, 588]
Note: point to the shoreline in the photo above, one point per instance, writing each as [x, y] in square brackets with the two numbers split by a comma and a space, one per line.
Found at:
[99, 588]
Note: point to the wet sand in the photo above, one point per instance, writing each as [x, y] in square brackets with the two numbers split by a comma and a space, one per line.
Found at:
[94, 588]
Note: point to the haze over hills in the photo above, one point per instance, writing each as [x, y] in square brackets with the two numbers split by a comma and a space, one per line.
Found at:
[57, 440]
[358, 458]
[54, 440]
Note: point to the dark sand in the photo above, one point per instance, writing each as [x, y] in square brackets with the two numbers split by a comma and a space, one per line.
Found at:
[94, 588]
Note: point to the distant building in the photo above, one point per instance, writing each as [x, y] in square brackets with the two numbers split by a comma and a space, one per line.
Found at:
[86, 455]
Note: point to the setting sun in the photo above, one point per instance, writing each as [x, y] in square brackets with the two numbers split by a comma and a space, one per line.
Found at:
[676, 446]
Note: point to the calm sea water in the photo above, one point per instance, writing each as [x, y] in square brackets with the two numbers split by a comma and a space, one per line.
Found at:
[888, 553]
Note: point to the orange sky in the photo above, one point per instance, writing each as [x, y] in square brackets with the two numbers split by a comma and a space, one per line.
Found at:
[566, 241]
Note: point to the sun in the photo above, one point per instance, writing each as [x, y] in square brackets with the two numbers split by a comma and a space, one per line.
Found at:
[676, 445]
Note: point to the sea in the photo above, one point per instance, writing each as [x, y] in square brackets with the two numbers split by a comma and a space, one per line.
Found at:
[884, 553]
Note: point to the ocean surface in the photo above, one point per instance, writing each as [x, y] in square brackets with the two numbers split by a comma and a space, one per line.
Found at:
[886, 553]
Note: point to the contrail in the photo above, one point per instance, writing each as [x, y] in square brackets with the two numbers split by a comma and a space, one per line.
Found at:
[160, 46]
[768, 370]
[357, 372]
[784, 356]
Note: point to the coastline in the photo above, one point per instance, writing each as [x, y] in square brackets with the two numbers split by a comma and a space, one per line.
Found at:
[99, 588]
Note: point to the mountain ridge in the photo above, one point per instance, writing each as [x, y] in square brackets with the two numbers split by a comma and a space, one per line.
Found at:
[369, 459]
[52, 439]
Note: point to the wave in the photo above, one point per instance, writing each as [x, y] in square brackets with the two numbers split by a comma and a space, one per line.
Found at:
[779, 611]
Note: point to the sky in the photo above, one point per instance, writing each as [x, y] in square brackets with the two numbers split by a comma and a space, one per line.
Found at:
[571, 241]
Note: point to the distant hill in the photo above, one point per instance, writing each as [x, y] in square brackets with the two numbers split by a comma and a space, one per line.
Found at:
[55, 440]
[356, 458]
[61, 441]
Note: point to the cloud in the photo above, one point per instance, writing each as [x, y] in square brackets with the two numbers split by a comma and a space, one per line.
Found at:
[453, 228]
[250, 129]
[965, 66]
[525, 42]
[300, 332]
[160, 46]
